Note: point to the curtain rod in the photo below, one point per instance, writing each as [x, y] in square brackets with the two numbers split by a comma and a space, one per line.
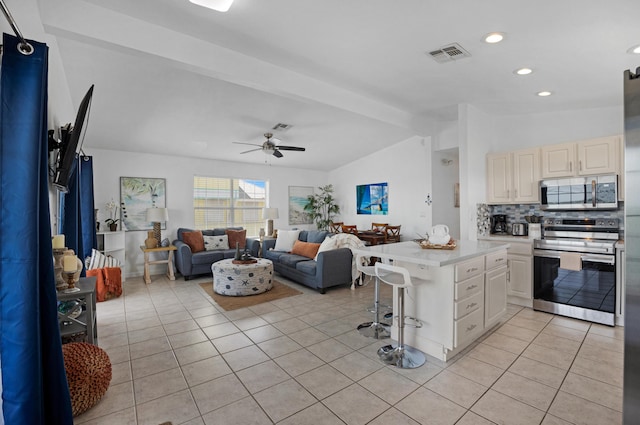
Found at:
[23, 47]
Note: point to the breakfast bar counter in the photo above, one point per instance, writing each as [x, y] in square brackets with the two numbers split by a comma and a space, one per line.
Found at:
[464, 293]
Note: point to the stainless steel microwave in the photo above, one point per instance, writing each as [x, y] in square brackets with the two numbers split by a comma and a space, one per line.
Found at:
[580, 193]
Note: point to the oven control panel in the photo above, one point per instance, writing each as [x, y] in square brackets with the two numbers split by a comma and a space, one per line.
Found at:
[600, 223]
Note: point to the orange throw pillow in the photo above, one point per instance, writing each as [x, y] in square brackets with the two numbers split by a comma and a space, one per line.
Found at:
[306, 249]
[194, 240]
[239, 236]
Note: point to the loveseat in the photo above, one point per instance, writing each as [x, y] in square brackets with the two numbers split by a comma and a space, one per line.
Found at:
[190, 264]
[331, 268]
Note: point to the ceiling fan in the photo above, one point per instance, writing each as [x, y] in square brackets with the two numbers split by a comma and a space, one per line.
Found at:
[270, 147]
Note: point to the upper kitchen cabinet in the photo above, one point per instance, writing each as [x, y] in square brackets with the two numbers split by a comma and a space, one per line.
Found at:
[584, 158]
[513, 177]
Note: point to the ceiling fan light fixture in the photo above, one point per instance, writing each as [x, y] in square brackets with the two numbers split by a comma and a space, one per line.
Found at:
[219, 5]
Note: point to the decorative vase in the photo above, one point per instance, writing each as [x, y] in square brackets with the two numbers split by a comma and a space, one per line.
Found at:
[238, 256]
[113, 227]
[261, 234]
[151, 241]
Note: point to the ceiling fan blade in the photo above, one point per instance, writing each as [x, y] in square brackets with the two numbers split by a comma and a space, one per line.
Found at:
[277, 153]
[244, 143]
[291, 148]
[251, 150]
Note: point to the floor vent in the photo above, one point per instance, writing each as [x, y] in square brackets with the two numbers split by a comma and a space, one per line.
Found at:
[449, 53]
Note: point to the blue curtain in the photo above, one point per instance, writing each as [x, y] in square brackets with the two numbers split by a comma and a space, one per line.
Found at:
[34, 384]
[77, 210]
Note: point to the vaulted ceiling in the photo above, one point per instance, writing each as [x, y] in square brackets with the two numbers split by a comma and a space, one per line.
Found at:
[351, 77]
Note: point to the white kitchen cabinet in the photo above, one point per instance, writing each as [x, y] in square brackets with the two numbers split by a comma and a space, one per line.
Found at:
[495, 288]
[583, 158]
[520, 275]
[513, 177]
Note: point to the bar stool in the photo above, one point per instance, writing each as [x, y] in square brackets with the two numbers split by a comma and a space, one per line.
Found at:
[402, 356]
[374, 329]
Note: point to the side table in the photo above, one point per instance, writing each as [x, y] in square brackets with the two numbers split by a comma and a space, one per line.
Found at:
[168, 261]
[86, 322]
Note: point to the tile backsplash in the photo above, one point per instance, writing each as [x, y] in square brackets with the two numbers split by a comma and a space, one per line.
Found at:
[516, 213]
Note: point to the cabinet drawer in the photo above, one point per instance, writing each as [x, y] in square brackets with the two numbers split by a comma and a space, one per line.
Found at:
[468, 287]
[469, 269]
[468, 327]
[468, 305]
[496, 259]
[520, 248]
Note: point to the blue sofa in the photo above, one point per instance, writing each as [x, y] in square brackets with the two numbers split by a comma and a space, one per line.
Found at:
[189, 264]
[332, 268]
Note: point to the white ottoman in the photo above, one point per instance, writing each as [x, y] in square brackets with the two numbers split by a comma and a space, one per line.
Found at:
[238, 280]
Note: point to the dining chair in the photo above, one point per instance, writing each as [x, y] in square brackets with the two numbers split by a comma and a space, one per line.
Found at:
[335, 226]
[393, 234]
[379, 227]
[347, 228]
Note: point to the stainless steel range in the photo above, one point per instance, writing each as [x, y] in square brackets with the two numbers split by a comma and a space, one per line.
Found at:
[575, 268]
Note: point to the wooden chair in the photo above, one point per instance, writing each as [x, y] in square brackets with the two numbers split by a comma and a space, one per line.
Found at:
[353, 229]
[335, 226]
[379, 227]
[393, 234]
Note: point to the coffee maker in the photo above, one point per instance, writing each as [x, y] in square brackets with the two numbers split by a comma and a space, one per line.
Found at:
[498, 224]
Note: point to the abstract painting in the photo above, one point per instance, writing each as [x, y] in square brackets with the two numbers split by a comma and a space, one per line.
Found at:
[372, 199]
[297, 200]
[136, 195]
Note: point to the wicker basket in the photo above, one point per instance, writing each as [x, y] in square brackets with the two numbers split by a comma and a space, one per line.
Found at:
[425, 244]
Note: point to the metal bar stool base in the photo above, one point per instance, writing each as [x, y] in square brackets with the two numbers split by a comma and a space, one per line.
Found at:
[375, 330]
[404, 357]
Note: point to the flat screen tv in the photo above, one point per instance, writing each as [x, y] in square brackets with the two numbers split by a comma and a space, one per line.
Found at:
[70, 145]
[372, 199]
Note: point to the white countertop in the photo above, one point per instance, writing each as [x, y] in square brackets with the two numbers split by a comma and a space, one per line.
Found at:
[507, 238]
[412, 253]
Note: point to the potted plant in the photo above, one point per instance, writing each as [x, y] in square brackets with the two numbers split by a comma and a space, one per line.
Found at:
[322, 207]
[112, 221]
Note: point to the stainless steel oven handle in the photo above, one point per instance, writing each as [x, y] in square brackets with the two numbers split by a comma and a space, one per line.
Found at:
[592, 258]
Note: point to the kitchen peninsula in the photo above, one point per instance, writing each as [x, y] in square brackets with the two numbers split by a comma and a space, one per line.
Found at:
[465, 294]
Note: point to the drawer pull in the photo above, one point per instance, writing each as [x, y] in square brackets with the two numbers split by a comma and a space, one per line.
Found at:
[470, 287]
[472, 269]
[499, 259]
[470, 328]
[471, 305]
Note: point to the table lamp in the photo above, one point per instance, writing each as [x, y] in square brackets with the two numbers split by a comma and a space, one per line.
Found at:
[270, 214]
[156, 216]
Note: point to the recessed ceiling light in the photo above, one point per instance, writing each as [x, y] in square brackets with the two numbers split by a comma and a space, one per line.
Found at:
[523, 71]
[219, 5]
[544, 93]
[494, 37]
[634, 50]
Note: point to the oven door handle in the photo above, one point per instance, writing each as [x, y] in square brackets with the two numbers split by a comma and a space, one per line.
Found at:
[591, 258]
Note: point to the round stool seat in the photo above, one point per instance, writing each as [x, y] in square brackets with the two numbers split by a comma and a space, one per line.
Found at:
[239, 280]
[88, 371]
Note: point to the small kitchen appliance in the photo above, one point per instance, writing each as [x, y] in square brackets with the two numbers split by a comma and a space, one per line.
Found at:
[519, 229]
[498, 224]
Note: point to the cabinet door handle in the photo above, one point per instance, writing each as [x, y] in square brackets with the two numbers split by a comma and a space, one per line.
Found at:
[471, 305]
[497, 260]
[470, 287]
[470, 328]
[570, 166]
[472, 269]
[515, 193]
[580, 164]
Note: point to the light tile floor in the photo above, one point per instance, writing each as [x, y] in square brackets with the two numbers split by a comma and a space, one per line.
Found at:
[178, 357]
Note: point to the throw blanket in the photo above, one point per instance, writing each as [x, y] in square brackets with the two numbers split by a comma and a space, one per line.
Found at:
[346, 240]
[108, 282]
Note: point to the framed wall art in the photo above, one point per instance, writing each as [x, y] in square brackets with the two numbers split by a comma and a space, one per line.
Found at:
[136, 195]
[372, 199]
[297, 200]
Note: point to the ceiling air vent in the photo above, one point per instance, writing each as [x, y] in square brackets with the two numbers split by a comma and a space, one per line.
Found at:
[449, 53]
[281, 127]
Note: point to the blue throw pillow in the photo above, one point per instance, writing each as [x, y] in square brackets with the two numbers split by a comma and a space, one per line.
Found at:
[316, 236]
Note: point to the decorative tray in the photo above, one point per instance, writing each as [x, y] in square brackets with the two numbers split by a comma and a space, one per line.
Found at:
[250, 261]
[424, 244]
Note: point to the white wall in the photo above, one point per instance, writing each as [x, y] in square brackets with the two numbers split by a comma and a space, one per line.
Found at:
[406, 167]
[445, 175]
[109, 166]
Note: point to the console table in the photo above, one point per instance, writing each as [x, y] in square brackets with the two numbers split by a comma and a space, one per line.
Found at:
[168, 261]
[86, 322]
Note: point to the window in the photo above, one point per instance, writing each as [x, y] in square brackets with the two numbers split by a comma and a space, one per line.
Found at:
[227, 202]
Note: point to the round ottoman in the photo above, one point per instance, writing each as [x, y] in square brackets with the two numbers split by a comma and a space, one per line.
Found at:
[238, 280]
[88, 371]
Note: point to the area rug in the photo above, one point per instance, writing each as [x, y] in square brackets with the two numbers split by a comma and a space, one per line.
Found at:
[278, 291]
